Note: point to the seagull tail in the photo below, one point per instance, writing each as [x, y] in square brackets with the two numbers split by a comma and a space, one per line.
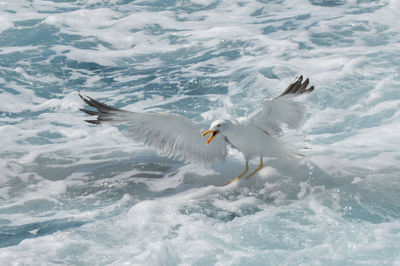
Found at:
[294, 145]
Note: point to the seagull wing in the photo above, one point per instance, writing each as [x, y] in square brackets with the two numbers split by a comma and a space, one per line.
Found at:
[283, 109]
[170, 133]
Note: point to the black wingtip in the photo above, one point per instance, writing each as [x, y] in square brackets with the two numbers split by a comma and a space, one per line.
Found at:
[303, 87]
[102, 111]
[94, 122]
[83, 97]
[298, 87]
[89, 112]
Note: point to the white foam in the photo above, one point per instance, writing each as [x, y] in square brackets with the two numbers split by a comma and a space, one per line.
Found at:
[5, 24]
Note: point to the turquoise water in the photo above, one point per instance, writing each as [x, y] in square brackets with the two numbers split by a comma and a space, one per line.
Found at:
[76, 194]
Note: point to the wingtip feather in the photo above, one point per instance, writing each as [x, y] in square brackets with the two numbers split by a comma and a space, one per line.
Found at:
[94, 122]
[298, 87]
[89, 112]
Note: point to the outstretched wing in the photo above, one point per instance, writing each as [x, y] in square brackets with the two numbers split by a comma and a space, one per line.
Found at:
[169, 133]
[283, 109]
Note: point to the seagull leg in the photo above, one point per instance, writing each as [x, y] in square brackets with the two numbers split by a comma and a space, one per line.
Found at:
[258, 169]
[242, 174]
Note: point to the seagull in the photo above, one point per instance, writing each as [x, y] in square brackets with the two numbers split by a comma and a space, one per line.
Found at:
[258, 135]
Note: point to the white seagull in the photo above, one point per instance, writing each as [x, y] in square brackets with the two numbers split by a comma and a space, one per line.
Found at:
[258, 135]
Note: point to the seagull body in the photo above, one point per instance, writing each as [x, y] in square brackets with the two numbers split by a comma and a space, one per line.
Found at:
[258, 135]
[238, 132]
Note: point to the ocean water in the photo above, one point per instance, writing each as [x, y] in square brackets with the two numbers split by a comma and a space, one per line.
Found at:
[77, 194]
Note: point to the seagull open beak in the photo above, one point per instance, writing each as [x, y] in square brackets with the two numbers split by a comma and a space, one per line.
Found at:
[213, 134]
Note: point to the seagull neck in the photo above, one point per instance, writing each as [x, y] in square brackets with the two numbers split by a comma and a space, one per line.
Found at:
[240, 121]
[230, 126]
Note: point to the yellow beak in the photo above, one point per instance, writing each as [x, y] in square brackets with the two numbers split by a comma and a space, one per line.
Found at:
[213, 134]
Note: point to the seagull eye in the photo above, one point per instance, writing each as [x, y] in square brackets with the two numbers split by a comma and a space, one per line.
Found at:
[219, 125]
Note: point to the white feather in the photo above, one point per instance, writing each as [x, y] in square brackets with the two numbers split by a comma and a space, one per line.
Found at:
[277, 112]
[169, 133]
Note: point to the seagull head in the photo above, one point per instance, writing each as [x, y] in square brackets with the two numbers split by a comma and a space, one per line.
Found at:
[215, 128]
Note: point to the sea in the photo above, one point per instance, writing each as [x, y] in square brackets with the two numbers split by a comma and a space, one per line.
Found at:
[72, 193]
